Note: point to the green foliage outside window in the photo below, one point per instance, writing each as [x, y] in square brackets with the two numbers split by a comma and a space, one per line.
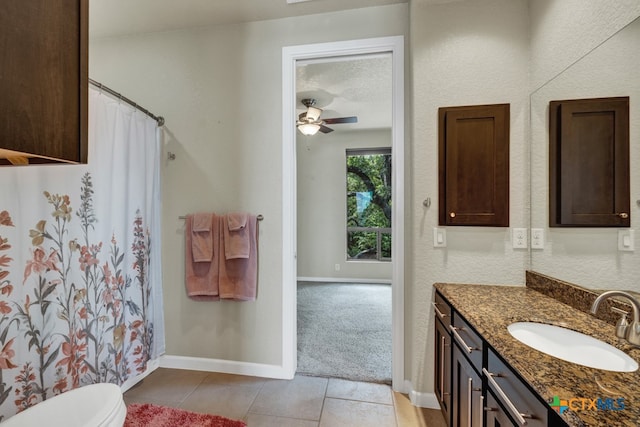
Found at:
[369, 204]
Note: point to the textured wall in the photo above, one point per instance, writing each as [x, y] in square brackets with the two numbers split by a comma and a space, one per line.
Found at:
[463, 53]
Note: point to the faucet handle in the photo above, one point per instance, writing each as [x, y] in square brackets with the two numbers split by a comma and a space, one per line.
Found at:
[622, 327]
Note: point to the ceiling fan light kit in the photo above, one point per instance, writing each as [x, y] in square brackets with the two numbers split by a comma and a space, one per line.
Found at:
[309, 122]
[309, 129]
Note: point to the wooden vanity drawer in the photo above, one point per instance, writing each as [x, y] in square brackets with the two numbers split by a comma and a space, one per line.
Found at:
[442, 309]
[468, 340]
[513, 394]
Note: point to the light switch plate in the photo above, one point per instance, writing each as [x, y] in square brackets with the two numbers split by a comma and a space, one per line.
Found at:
[626, 240]
[519, 238]
[439, 237]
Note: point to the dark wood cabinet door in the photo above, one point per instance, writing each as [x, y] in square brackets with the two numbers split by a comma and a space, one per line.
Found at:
[474, 165]
[468, 408]
[589, 163]
[496, 416]
[44, 80]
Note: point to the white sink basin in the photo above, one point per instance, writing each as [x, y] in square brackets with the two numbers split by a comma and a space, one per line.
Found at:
[572, 346]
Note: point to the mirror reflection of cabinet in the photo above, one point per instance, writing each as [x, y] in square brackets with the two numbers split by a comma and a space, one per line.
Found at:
[44, 81]
[589, 163]
[588, 256]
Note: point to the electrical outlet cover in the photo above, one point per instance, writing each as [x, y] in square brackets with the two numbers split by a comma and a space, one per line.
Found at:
[519, 238]
[537, 238]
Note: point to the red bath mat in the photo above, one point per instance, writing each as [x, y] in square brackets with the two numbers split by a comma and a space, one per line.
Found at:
[148, 415]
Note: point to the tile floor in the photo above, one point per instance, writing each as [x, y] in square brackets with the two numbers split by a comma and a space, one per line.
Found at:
[301, 402]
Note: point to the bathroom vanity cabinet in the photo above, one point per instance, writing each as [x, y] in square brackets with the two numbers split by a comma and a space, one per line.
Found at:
[484, 389]
[44, 81]
[442, 384]
[473, 165]
[467, 399]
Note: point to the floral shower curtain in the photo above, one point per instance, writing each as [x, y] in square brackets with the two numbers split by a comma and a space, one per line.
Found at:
[80, 274]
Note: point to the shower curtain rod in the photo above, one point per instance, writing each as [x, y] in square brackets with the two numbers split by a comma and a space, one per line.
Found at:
[100, 86]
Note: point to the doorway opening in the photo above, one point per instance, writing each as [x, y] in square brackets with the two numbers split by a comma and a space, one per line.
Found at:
[324, 51]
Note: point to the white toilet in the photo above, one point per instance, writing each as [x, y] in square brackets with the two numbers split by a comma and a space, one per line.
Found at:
[95, 405]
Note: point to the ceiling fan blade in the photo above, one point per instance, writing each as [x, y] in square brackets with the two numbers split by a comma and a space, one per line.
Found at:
[352, 119]
[325, 129]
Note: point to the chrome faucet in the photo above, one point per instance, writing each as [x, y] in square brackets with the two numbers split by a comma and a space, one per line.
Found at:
[630, 332]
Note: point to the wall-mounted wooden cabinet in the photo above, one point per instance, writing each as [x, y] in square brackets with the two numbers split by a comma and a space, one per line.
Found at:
[589, 163]
[43, 81]
[474, 165]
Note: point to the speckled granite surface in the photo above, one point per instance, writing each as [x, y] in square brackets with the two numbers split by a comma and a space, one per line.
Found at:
[490, 309]
[576, 296]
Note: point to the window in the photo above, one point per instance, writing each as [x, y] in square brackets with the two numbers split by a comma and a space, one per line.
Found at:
[369, 204]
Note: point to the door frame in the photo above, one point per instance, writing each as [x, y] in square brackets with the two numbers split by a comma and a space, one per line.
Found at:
[291, 54]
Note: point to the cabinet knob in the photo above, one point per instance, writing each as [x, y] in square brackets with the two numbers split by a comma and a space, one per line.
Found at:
[452, 214]
[623, 215]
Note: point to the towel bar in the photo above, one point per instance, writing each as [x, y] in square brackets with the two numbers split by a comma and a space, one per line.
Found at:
[259, 217]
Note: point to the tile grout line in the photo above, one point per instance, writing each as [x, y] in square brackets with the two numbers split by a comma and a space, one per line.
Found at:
[253, 401]
[193, 391]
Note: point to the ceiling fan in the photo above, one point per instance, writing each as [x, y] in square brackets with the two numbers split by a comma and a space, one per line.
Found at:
[309, 122]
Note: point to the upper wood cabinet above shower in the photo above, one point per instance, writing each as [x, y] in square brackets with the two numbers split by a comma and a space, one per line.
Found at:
[43, 81]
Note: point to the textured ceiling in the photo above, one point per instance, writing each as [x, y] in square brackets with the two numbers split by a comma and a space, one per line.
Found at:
[356, 86]
[345, 87]
[120, 17]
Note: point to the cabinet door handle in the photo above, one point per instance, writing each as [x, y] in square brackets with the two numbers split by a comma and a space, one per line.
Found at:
[469, 401]
[481, 408]
[519, 416]
[442, 346]
[440, 314]
[460, 340]
[623, 215]
[452, 214]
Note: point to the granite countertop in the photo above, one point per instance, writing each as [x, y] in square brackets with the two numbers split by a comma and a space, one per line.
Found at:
[490, 309]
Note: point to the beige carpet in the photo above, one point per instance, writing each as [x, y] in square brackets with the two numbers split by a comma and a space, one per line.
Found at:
[344, 331]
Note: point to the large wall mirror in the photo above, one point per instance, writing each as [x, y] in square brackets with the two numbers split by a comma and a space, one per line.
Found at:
[588, 256]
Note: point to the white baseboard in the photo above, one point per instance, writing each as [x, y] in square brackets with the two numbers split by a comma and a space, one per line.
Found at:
[424, 400]
[344, 280]
[225, 366]
[419, 399]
